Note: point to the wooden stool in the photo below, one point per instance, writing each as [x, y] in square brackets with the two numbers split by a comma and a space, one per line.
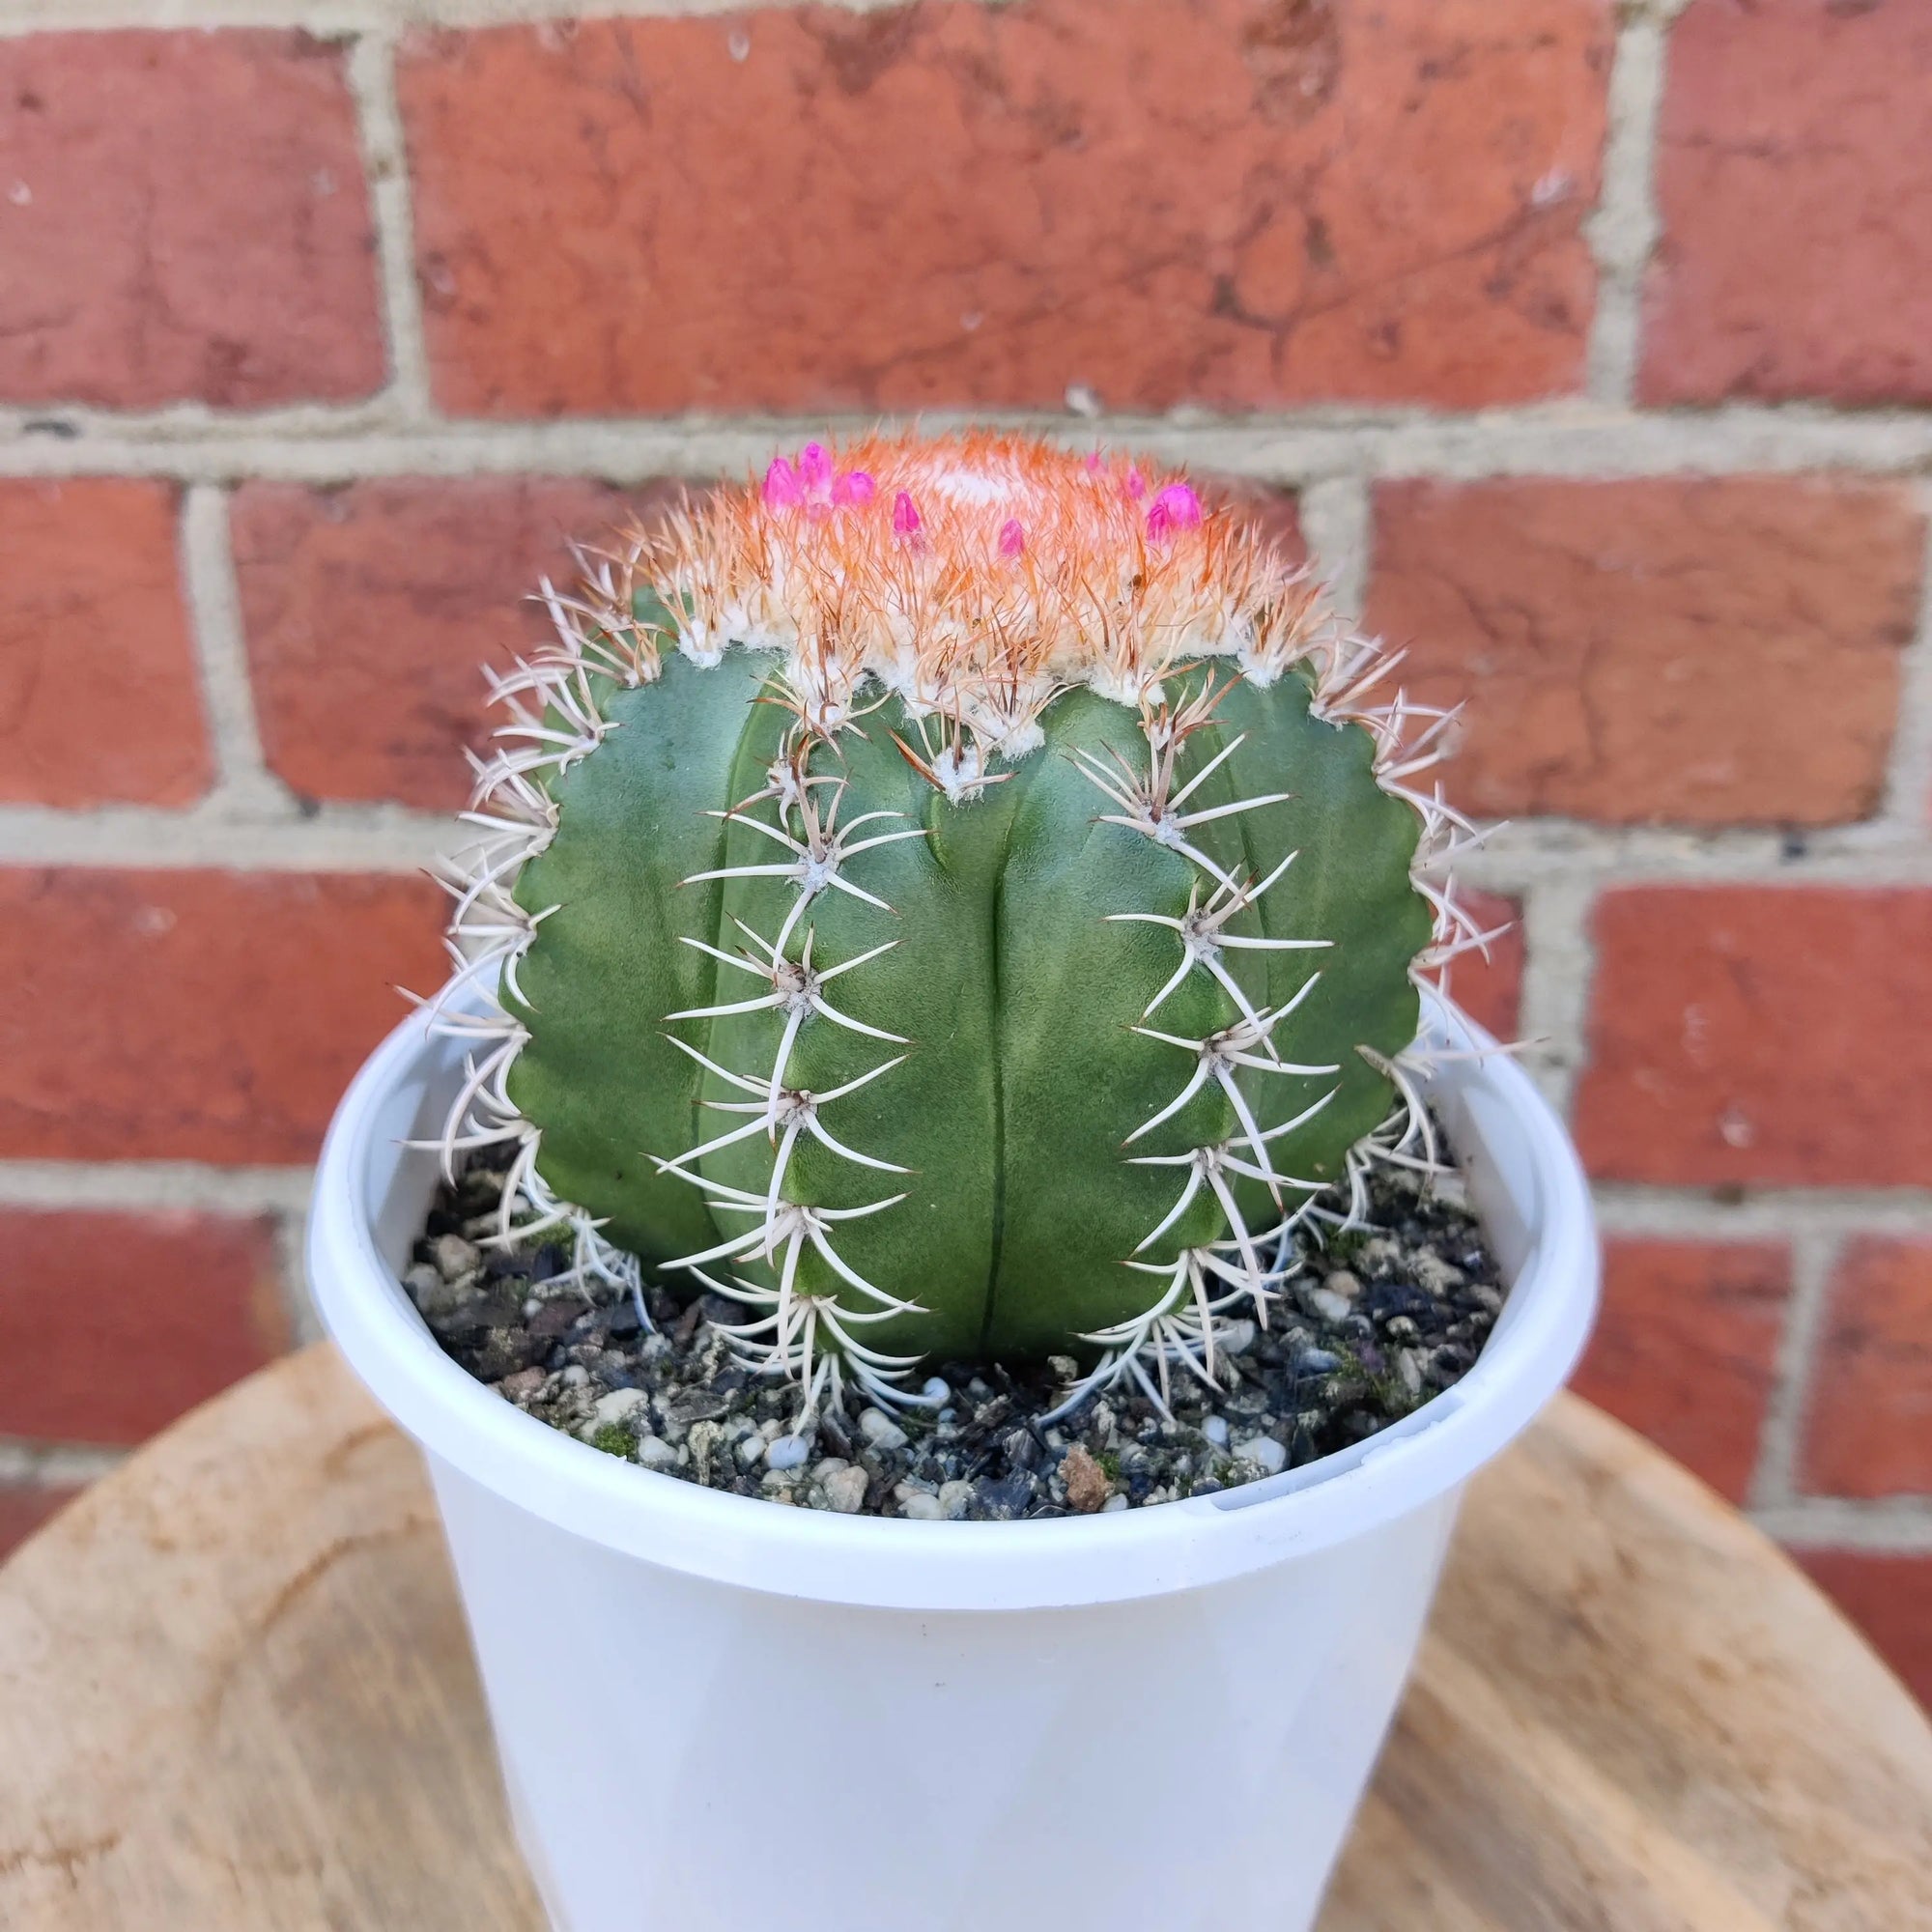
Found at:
[235, 1696]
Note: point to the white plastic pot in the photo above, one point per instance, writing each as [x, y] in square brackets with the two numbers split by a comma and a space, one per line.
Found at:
[716, 1714]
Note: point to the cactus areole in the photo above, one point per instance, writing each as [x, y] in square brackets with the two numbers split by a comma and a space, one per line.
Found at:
[956, 900]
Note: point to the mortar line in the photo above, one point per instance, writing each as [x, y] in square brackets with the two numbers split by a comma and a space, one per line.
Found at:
[1893, 1526]
[335, 17]
[1908, 787]
[1624, 227]
[1559, 968]
[1338, 524]
[1783, 1213]
[372, 82]
[214, 612]
[27, 1464]
[292, 1278]
[140, 1186]
[1518, 860]
[1577, 438]
[1814, 1257]
[340, 838]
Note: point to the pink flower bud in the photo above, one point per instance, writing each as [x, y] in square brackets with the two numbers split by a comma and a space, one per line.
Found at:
[906, 515]
[1012, 537]
[853, 487]
[815, 465]
[781, 485]
[1133, 484]
[1176, 507]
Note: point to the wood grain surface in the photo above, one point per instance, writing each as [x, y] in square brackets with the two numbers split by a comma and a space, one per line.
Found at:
[235, 1696]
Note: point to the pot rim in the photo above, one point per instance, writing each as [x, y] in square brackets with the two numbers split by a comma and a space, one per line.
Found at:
[1523, 1177]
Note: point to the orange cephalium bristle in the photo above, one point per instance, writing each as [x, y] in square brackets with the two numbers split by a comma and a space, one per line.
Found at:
[974, 574]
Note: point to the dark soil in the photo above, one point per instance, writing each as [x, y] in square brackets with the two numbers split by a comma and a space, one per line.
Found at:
[1379, 1321]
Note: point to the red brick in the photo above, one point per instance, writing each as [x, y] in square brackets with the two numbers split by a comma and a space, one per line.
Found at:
[370, 610]
[113, 1325]
[1702, 651]
[1770, 1034]
[1889, 1598]
[24, 1509]
[1794, 183]
[196, 1015]
[1227, 201]
[1868, 1424]
[1685, 1348]
[1490, 990]
[99, 699]
[184, 217]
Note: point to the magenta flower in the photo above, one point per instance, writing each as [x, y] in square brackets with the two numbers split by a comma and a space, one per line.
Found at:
[783, 489]
[1012, 537]
[1174, 508]
[814, 468]
[906, 515]
[815, 485]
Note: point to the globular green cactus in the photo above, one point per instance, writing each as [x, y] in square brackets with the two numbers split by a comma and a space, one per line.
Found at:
[955, 900]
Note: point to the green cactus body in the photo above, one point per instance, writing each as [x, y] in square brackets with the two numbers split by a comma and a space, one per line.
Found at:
[984, 1019]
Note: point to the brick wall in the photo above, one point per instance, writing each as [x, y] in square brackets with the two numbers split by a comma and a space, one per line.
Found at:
[1588, 345]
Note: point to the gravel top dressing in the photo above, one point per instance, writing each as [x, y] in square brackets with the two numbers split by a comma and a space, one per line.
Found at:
[1371, 1327]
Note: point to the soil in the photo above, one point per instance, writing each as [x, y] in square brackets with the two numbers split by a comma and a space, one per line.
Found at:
[1376, 1320]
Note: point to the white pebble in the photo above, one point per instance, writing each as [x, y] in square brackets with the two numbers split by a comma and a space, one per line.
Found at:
[936, 1392]
[655, 1453]
[1263, 1450]
[828, 1466]
[749, 1451]
[1409, 1368]
[1216, 1429]
[845, 1490]
[923, 1508]
[1340, 1281]
[953, 1498]
[1332, 1306]
[771, 1431]
[575, 1375]
[788, 1452]
[1236, 1338]
[881, 1431]
[430, 1291]
[456, 1258]
[616, 1405]
[1116, 1501]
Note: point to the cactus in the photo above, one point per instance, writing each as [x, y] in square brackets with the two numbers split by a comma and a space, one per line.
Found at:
[953, 901]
